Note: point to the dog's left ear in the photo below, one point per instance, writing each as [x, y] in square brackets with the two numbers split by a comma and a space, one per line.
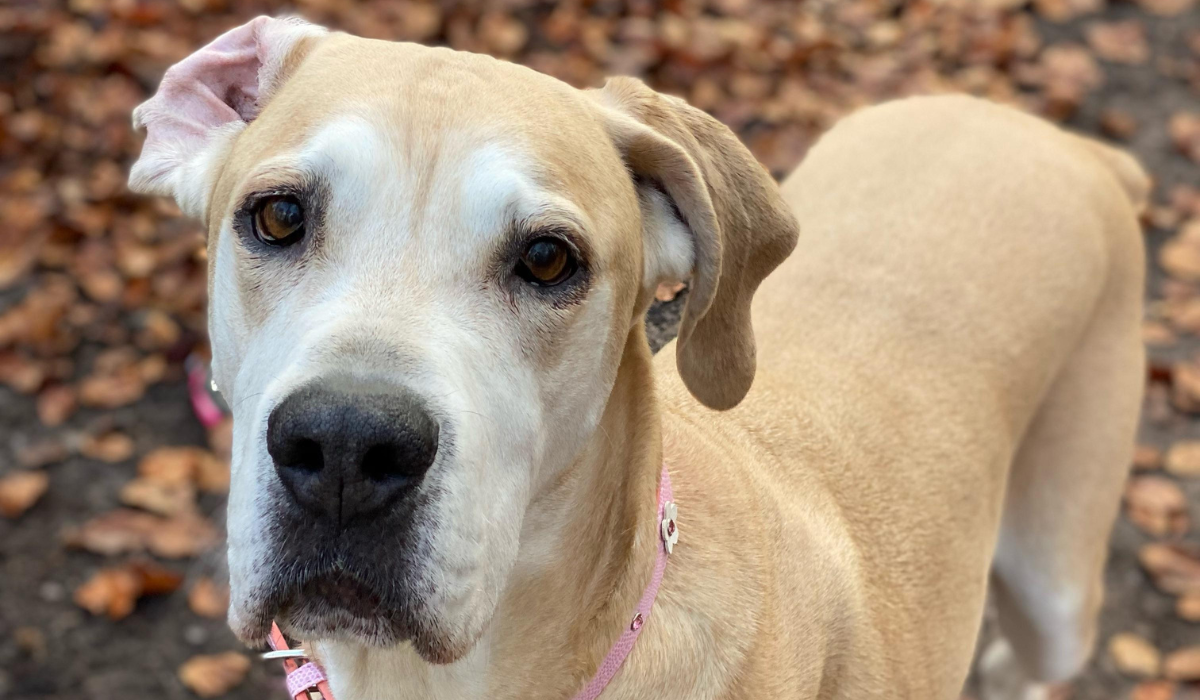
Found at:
[724, 209]
[206, 99]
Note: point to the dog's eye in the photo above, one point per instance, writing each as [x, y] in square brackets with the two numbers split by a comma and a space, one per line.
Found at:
[546, 262]
[279, 220]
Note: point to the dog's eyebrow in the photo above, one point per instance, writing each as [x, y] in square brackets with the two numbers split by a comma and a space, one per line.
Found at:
[546, 210]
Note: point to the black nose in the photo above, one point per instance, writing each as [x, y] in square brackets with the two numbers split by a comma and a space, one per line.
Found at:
[344, 451]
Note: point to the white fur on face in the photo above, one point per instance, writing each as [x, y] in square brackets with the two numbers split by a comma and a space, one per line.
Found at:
[403, 289]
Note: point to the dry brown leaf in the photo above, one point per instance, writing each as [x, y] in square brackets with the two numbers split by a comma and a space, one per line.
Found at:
[156, 497]
[1134, 655]
[186, 465]
[1147, 458]
[1183, 664]
[114, 591]
[1183, 458]
[1068, 74]
[1153, 690]
[1064, 10]
[111, 446]
[1180, 256]
[1157, 506]
[1118, 124]
[1184, 129]
[668, 291]
[1188, 607]
[1185, 386]
[124, 530]
[208, 599]
[56, 404]
[215, 675]
[185, 535]
[20, 490]
[112, 391]
[1174, 568]
[1158, 335]
[220, 439]
[1119, 42]
[1167, 8]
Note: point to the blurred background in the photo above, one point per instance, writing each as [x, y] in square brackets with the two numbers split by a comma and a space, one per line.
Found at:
[111, 490]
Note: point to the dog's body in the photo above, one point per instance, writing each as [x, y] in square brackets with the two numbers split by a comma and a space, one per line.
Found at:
[949, 371]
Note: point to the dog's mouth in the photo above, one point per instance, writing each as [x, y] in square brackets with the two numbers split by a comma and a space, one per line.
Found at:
[341, 606]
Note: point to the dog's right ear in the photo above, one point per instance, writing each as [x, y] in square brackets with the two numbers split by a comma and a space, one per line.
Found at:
[208, 98]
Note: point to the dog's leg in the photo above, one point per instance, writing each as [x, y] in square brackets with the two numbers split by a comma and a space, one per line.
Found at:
[1066, 481]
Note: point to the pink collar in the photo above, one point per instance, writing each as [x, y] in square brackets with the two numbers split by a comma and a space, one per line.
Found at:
[308, 676]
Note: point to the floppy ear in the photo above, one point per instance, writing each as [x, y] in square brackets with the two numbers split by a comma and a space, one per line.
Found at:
[711, 211]
[206, 99]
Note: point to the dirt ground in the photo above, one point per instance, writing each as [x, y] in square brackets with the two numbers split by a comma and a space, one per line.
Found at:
[51, 648]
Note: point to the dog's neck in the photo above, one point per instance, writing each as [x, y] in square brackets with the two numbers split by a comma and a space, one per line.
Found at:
[588, 546]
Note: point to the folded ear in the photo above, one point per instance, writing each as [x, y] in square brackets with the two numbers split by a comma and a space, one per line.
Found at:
[206, 99]
[711, 211]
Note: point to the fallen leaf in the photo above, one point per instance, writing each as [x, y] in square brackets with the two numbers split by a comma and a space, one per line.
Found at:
[1118, 124]
[1185, 387]
[667, 291]
[1147, 458]
[1153, 690]
[215, 675]
[112, 391]
[185, 535]
[220, 439]
[208, 599]
[1183, 664]
[55, 404]
[156, 497]
[186, 465]
[20, 490]
[1184, 129]
[1119, 42]
[123, 531]
[1188, 607]
[1157, 506]
[1159, 335]
[110, 446]
[1069, 73]
[1134, 655]
[114, 591]
[1183, 458]
[1166, 8]
[1174, 568]
[1180, 256]
[1064, 10]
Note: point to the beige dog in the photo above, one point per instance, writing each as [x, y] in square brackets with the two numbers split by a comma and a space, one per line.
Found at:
[428, 276]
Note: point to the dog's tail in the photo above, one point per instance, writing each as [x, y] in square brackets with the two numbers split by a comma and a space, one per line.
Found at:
[1126, 169]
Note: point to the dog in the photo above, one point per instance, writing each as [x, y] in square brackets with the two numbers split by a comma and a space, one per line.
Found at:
[428, 272]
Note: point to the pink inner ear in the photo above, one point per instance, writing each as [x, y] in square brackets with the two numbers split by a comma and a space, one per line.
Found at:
[212, 87]
[219, 84]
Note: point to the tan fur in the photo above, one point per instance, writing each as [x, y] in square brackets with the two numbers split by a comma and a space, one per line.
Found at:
[948, 368]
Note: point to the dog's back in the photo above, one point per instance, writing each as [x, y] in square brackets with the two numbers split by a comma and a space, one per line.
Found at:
[950, 369]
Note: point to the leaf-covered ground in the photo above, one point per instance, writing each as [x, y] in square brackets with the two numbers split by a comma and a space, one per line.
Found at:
[111, 492]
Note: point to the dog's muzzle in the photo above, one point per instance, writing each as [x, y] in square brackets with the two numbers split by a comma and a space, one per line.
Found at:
[344, 450]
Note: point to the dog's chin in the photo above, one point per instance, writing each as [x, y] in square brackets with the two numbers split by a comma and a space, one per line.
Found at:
[341, 609]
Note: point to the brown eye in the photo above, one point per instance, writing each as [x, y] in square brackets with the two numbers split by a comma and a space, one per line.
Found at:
[546, 262]
[279, 221]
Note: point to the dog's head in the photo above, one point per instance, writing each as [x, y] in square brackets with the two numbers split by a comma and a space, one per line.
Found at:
[424, 267]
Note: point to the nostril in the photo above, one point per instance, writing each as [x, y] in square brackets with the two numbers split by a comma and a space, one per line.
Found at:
[381, 463]
[304, 454]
